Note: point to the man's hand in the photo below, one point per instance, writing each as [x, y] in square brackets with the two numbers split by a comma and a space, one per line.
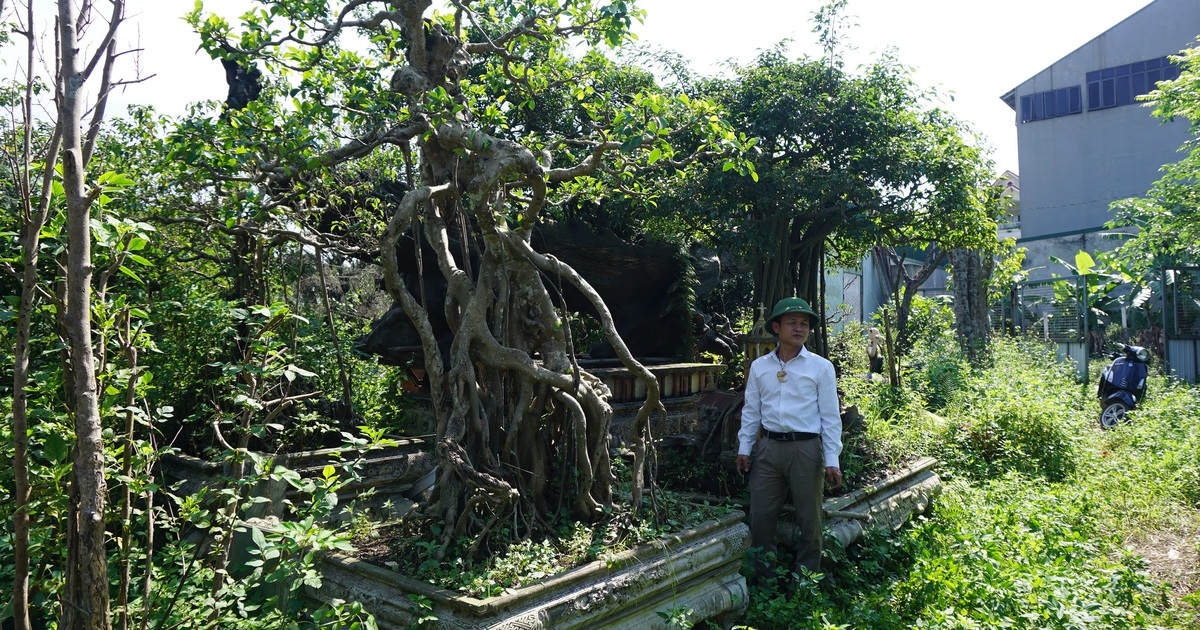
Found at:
[833, 475]
[743, 464]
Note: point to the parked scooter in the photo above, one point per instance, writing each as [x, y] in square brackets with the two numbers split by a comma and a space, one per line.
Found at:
[1122, 384]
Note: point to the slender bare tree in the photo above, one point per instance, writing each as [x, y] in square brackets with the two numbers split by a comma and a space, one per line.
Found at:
[85, 599]
[33, 217]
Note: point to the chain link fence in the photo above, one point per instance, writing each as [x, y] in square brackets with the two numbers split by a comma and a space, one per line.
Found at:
[852, 295]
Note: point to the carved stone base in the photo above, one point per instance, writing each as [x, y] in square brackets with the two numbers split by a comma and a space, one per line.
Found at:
[695, 570]
[385, 475]
[886, 505]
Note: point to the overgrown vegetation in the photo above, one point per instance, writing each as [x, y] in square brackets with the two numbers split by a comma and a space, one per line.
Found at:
[196, 284]
[1040, 515]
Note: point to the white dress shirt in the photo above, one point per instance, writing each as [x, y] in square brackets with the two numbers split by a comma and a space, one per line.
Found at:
[805, 401]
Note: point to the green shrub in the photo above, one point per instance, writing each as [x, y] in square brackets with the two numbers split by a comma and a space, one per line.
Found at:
[1149, 468]
[1166, 438]
[848, 350]
[897, 426]
[1023, 412]
[938, 369]
[929, 319]
[1013, 552]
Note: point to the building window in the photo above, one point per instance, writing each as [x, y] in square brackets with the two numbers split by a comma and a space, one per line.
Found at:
[1121, 85]
[1052, 104]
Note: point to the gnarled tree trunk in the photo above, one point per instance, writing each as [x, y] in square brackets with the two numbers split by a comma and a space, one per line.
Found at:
[515, 412]
[511, 402]
[521, 429]
[796, 268]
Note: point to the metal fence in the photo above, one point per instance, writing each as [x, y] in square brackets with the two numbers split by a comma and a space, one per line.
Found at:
[1165, 319]
[852, 295]
[1181, 321]
[1055, 310]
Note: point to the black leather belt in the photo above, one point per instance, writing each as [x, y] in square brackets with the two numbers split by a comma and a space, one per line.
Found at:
[793, 436]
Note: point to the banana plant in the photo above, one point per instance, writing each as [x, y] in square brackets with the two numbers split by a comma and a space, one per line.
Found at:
[1102, 278]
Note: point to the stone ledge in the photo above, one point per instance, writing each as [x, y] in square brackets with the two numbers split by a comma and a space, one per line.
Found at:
[697, 569]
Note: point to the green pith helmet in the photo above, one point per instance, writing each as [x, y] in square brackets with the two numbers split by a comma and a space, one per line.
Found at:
[791, 305]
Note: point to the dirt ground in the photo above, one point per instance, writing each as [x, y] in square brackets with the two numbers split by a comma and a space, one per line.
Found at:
[1173, 557]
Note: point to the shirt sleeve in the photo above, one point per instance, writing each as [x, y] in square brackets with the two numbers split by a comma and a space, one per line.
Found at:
[831, 416]
[751, 415]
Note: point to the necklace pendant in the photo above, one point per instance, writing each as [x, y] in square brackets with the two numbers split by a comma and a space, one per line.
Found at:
[781, 375]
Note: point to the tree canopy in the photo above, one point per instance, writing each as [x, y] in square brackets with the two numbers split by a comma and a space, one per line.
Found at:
[844, 162]
[1166, 218]
[487, 122]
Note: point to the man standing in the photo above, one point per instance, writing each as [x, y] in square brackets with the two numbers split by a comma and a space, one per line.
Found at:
[791, 394]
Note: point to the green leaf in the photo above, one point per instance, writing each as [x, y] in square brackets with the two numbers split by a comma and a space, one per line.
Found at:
[125, 270]
[55, 448]
[122, 180]
[1084, 263]
[1142, 296]
[300, 371]
[257, 536]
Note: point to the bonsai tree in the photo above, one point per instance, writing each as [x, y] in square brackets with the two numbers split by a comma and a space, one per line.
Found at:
[487, 120]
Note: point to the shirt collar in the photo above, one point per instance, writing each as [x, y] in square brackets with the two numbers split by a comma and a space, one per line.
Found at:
[803, 351]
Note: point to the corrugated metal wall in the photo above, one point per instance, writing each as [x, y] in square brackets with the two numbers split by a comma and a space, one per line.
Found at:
[1183, 356]
[1075, 353]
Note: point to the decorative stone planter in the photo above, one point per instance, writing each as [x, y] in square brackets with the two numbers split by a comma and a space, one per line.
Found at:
[386, 475]
[696, 569]
[888, 504]
[680, 386]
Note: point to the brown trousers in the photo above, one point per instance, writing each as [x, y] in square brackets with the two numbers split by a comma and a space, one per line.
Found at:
[779, 467]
